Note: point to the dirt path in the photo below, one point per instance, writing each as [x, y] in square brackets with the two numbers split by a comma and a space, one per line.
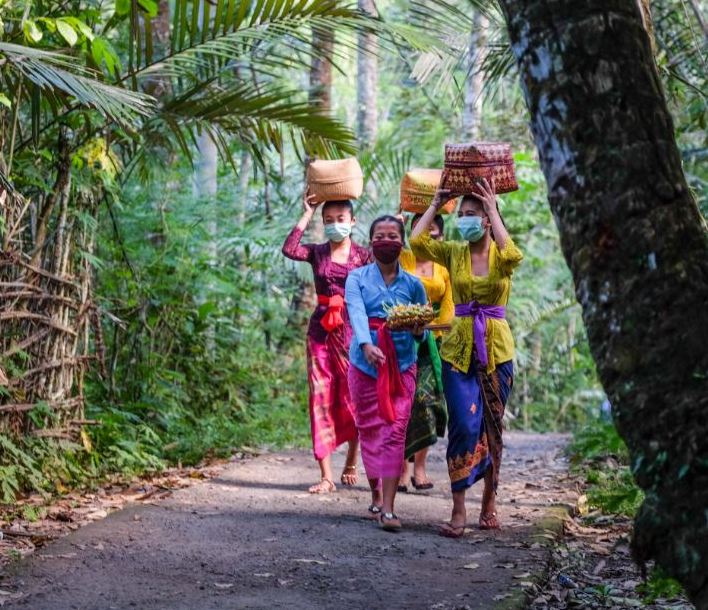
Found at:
[252, 538]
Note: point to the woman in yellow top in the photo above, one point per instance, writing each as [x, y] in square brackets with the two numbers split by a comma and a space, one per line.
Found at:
[429, 414]
[477, 353]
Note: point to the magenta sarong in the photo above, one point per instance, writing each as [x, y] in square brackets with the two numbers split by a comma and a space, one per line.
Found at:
[382, 443]
[331, 418]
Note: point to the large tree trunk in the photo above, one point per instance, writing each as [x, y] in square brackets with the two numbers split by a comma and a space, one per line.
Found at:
[367, 82]
[637, 247]
[472, 111]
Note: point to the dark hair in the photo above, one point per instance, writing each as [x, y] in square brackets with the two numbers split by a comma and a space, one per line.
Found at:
[438, 220]
[388, 218]
[344, 203]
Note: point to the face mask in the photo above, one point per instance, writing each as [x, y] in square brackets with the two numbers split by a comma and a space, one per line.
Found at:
[337, 231]
[471, 228]
[386, 250]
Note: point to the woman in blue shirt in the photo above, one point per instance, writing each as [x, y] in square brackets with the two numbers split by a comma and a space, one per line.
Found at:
[382, 368]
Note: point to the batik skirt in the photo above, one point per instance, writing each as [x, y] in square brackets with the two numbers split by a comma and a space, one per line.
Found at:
[475, 402]
[382, 443]
[429, 413]
[331, 418]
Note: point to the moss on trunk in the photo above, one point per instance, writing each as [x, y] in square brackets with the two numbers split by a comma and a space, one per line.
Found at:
[637, 247]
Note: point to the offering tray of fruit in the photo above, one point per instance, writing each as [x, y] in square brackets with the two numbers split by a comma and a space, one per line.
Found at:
[406, 317]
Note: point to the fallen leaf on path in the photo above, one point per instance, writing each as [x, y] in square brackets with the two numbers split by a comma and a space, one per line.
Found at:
[317, 561]
[224, 585]
[507, 566]
[263, 574]
[523, 575]
[471, 566]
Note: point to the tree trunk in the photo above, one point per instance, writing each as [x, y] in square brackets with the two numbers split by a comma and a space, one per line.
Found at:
[637, 248]
[367, 82]
[472, 111]
[320, 93]
[204, 189]
[320, 96]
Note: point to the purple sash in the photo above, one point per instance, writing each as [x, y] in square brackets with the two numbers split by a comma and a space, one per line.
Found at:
[480, 313]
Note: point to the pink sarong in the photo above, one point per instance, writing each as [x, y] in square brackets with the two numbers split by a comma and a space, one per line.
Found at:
[331, 419]
[382, 443]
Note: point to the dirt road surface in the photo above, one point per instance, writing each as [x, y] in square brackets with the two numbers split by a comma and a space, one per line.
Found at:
[254, 538]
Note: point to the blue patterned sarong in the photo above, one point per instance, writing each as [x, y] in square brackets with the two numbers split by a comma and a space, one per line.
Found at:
[475, 405]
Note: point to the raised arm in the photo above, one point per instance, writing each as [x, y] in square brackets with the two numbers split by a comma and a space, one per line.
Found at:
[441, 196]
[489, 200]
[292, 248]
[425, 247]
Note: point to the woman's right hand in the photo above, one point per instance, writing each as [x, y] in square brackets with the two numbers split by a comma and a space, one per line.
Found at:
[441, 197]
[309, 203]
[373, 355]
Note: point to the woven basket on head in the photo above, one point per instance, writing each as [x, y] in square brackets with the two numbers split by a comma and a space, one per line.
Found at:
[467, 164]
[418, 188]
[335, 180]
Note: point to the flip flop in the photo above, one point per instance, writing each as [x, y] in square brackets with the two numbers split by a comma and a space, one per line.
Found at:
[419, 486]
[403, 489]
[374, 511]
[485, 518]
[386, 520]
[451, 531]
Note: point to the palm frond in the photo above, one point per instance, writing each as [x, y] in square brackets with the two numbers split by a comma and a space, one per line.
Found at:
[456, 28]
[265, 114]
[52, 72]
[203, 49]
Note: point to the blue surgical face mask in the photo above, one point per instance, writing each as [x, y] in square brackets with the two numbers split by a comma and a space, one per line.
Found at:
[471, 227]
[337, 231]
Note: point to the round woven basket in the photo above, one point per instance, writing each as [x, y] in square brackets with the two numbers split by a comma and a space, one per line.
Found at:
[335, 180]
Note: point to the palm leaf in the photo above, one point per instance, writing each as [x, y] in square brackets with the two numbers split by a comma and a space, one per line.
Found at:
[54, 72]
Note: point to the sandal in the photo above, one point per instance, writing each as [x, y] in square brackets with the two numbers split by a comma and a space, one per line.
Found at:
[452, 531]
[390, 522]
[419, 486]
[489, 521]
[325, 486]
[349, 476]
[402, 489]
[374, 511]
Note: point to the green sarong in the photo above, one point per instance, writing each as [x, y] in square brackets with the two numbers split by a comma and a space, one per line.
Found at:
[429, 412]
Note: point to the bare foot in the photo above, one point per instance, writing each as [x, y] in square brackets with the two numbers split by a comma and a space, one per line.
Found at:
[325, 486]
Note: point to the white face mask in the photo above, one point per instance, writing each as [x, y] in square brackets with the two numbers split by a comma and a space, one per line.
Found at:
[337, 231]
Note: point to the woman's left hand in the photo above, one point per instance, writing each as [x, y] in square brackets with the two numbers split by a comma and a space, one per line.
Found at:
[487, 196]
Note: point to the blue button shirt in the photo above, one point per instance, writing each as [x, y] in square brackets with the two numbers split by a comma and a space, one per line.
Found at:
[366, 294]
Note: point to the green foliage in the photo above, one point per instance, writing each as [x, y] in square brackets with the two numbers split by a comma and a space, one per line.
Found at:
[596, 441]
[660, 586]
[600, 455]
